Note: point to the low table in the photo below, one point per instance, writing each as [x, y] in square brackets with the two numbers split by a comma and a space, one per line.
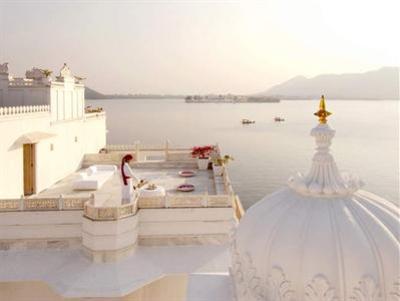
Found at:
[159, 191]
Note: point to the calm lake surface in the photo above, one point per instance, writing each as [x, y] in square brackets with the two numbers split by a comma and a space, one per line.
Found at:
[268, 153]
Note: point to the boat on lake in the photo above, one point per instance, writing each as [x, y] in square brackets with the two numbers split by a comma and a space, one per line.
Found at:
[248, 121]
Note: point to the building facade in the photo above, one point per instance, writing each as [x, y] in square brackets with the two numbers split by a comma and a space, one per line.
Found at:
[44, 129]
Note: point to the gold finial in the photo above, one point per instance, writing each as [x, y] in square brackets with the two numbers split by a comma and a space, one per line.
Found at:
[322, 113]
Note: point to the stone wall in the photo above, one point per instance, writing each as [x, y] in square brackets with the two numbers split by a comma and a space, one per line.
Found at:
[40, 230]
[56, 157]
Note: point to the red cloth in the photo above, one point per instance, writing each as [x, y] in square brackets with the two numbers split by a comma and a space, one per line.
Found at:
[125, 159]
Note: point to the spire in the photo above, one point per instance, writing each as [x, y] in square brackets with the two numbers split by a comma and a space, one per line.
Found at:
[324, 178]
[322, 113]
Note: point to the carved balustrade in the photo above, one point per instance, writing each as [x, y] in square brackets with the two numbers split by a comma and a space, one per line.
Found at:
[16, 110]
[43, 204]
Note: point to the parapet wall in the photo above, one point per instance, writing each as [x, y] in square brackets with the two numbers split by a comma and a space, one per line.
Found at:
[61, 229]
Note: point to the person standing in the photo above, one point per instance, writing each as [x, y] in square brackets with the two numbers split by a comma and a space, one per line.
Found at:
[128, 179]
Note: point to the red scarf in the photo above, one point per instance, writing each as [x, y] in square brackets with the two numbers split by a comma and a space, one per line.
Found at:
[125, 159]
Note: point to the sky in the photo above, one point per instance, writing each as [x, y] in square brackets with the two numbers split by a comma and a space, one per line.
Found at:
[191, 47]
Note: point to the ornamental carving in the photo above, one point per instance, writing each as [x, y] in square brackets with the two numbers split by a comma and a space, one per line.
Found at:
[6, 205]
[395, 293]
[65, 71]
[73, 203]
[249, 286]
[324, 178]
[39, 204]
[125, 211]
[367, 290]
[319, 289]
[278, 287]
[105, 213]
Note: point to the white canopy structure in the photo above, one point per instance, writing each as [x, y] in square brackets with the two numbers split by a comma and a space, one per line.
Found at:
[33, 137]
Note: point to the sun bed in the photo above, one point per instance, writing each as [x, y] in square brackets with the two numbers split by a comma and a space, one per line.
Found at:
[94, 177]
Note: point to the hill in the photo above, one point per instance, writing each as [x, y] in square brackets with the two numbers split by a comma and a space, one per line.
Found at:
[377, 84]
[92, 94]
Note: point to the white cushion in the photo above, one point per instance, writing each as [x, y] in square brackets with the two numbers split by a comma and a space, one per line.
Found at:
[105, 167]
[91, 170]
[94, 177]
[86, 185]
[82, 176]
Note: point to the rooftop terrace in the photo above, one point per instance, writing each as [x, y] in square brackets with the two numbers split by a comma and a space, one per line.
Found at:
[157, 165]
[110, 193]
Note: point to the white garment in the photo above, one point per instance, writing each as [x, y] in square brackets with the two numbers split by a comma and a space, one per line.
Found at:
[127, 190]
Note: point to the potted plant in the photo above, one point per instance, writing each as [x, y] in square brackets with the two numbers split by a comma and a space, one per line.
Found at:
[202, 153]
[219, 162]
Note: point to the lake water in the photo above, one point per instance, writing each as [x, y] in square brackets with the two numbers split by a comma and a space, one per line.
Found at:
[268, 153]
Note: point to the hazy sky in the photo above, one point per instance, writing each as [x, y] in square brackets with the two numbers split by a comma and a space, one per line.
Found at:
[199, 46]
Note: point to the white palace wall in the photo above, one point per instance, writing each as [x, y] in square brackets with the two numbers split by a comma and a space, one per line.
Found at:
[54, 110]
[56, 157]
[149, 227]
[67, 101]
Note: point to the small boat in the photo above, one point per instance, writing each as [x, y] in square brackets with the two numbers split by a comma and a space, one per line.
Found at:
[279, 119]
[247, 121]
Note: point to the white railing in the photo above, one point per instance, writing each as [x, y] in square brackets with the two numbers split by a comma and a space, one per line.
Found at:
[43, 204]
[143, 147]
[185, 201]
[106, 213]
[140, 151]
[7, 111]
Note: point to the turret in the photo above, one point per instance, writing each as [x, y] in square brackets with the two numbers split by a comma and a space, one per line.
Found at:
[3, 82]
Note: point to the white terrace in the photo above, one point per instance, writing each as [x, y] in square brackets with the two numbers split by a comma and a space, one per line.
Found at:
[156, 164]
[109, 230]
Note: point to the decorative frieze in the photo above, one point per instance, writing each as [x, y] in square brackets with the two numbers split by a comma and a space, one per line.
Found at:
[73, 204]
[319, 289]
[250, 286]
[42, 204]
[367, 290]
[10, 205]
[109, 213]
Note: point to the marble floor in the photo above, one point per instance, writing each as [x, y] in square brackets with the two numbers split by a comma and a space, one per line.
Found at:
[70, 274]
[110, 192]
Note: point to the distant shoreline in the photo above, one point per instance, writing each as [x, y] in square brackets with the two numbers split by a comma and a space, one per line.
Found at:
[230, 98]
[221, 102]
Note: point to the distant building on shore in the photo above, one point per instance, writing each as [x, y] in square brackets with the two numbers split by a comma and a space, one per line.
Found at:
[229, 98]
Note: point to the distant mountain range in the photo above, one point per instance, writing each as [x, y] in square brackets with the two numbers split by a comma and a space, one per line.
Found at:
[92, 94]
[377, 84]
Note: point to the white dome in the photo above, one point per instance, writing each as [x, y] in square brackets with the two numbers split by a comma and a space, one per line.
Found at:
[318, 239]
